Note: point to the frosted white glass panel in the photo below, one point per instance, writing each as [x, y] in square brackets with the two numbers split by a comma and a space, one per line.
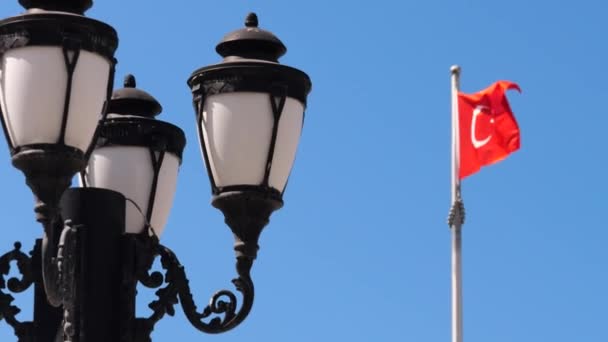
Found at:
[237, 128]
[288, 137]
[32, 94]
[128, 170]
[165, 192]
[89, 91]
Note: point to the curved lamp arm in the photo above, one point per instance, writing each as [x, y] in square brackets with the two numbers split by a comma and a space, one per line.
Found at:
[178, 289]
[246, 213]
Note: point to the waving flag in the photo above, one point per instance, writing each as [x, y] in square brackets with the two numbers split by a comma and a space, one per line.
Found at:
[488, 130]
[484, 131]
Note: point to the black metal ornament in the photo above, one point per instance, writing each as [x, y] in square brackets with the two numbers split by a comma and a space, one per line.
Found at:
[47, 318]
[222, 312]
[8, 311]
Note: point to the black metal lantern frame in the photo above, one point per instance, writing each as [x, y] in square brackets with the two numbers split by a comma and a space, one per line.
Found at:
[133, 124]
[250, 65]
[72, 33]
[278, 81]
[158, 137]
[240, 203]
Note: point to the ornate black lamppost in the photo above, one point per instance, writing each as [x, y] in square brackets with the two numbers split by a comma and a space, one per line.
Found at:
[100, 239]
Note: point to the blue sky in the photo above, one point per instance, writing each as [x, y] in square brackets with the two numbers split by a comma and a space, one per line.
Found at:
[360, 251]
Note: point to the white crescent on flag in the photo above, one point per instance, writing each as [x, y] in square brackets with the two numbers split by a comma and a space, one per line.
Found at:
[476, 112]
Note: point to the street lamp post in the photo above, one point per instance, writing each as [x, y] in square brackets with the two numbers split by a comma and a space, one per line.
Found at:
[61, 119]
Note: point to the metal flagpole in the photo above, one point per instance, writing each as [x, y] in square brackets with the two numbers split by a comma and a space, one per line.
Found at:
[456, 217]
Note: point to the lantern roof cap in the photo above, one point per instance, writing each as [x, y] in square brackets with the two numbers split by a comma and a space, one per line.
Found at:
[251, 42]
[133, 101]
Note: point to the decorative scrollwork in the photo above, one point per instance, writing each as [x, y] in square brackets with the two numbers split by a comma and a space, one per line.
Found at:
[8, 311]
[66, 266]
[177, 289]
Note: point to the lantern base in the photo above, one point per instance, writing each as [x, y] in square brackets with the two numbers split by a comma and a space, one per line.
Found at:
[246, 213]
[48, 171]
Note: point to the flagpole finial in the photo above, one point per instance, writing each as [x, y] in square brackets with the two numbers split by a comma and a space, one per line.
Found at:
[455, 69]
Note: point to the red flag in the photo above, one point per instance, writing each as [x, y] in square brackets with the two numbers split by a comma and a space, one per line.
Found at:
[488, 130]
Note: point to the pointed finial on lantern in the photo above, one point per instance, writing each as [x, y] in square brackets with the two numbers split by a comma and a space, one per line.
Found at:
[130, 81]
[251, 20]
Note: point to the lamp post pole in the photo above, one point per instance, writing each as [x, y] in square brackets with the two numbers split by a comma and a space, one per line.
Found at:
[100, 240]
[91, 269]
[47, 319]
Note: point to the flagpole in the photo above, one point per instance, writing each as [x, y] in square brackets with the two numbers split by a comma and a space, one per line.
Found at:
[456, 217]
